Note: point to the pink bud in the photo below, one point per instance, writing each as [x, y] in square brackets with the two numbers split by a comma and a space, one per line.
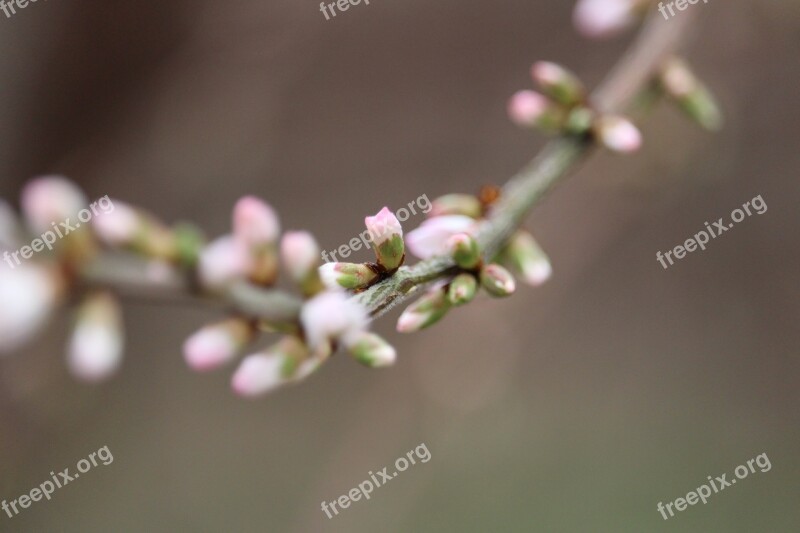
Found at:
[216, 344]
[118, 227]
[95, 349]
[224, 260]
[332, 315]
[258, 374]
[603, 18]
[28, 294]
[526, 107]
[300, 254]
[431, 237]
[51, 199]
[618, 134]
[255, 222]
[383, 226]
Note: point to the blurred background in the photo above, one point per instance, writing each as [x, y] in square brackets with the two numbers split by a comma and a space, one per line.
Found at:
[574, 407]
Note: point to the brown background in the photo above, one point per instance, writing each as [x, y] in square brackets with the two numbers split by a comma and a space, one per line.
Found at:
[575, 407]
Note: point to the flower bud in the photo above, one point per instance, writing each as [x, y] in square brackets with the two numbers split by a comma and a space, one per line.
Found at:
[216, 344]
[387, 239]
[464, 250]
[332, 316]
[300, 255]
[255, 222]
[348, 275]
[604, 18]
[462, 289]
[29, 293]
[283, 363]
[618, 134]
[497, 280]
[425, 312]
[372, 351]
[528, 258]
[430, 238]
[136, 230]
[558, 83]
[694, 98]
[49, 200]
[95, 349]
[456, 204]
[222, 262]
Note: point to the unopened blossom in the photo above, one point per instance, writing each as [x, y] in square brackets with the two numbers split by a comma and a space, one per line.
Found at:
[217, 344]
[49, 200]
[528, 258]
[331, 316]
[95, 349]
[456, 204]
[497, 281]
[426, 311]
[28, 294]
[431, 237]
[255, 222]
[558, 83]
[347, 275]
[618, 134]
[604, 18]
[223, 261]
[691, 95]
[387, 238]
[373, 351]
[462, 289]
[464, 250]
[120, 227]
[259, 374]
[300, 257]
[526, 108]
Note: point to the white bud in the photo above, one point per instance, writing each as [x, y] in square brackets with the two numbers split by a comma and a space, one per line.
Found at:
[332, 315]
[224, 260]
[51, 199]
[255, 222]
[28, 294]
[604, 18]
[259, 374]
[95, 349]
[431, 237]
[119, 227]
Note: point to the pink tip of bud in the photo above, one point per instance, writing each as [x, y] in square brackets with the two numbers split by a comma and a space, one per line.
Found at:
[537, 272]
[51, 199]
[547, 73]
[300, 253]
[410, 322]
[257, 374]
[255, 222]
[223, 261]
[619, 134]
[118, 227]
[526, 107]
[603, 18]
[383, 226]
[431, 237]
[209, 348]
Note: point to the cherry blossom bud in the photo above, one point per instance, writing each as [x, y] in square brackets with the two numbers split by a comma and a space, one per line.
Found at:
[431, 237]
[28, 294]
[528, 258]
[255, 222]
[694, 98]
[387, 239]
[558, 83]
[120, 227]
[618, 134]
[95, 349]
[285, 362]
[134, 229]
[426, 311]
[332, 316]
[604, 18]
[215, 345]
[372, 351]
[347, 275]
[464, 250]
[223, 261]
[300, 255]
[497, 280]
[51, 199]
[462, 289]
[526, 108]
[456, 204]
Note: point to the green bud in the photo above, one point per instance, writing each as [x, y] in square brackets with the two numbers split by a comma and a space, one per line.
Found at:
[558, 83]
[371, 350]
[497, 280]
[351, 276]
[464, 250]
[425, 312]
[456, 204]
[527, 258]
[462, 289]
[691, 95]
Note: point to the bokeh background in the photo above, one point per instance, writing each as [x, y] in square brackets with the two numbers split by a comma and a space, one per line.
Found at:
[574, 407]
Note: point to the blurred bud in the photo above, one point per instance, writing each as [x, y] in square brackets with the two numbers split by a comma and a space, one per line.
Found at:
[49, 200]
[347, 275]
[255, 222]
[136, 230]
[122, 227]
[604, 18]
[279, 365]
[462, 289]
[300, 255]
[528, 258]
[372, 351]
[694, 98]
[95, 349]
[618, 134]
[431, 237]
[216, 344]
[456, 204]
[558, 83]
[223, 261]
[530, 109]
[425, 312]
[497, 280]
[464, 250]
[387, 239]
[28, 293]
[332, 316]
